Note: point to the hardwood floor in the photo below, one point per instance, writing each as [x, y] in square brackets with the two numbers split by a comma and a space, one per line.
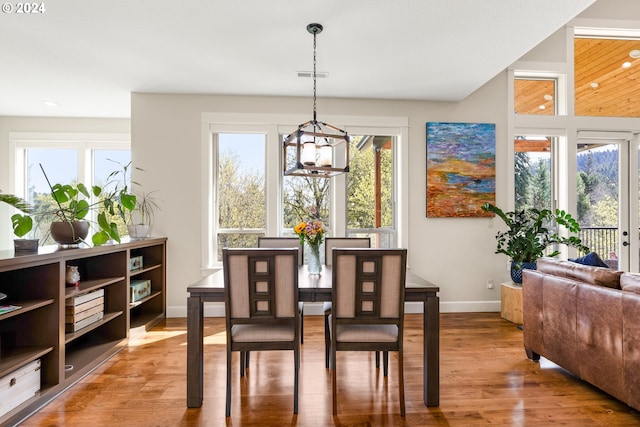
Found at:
[485, 377]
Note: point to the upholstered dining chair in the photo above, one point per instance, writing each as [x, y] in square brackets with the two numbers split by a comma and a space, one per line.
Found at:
[287, 242]
[261, 306]
[329, 244]
[368, 306]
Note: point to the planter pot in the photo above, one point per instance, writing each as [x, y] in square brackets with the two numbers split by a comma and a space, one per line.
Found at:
[516, 270]
[25, 245]
[138, 231]
[69, 233]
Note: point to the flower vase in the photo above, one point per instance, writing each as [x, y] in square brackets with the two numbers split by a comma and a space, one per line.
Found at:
[314, 266]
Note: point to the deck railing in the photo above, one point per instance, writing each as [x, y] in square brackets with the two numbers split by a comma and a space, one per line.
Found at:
[601, 240]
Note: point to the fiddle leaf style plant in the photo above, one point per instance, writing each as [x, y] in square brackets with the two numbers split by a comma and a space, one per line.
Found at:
[529, 233]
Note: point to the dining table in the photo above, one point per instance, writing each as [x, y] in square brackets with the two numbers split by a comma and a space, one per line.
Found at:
[312, 288]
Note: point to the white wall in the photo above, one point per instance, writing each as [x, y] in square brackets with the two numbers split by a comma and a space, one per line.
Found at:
[456, 254]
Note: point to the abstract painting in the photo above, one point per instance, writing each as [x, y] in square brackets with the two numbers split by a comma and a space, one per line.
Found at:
[461, 165]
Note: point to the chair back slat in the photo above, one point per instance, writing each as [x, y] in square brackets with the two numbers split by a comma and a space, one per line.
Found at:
[283, 242]
[369, 284]
[261, 283]
[331, 243]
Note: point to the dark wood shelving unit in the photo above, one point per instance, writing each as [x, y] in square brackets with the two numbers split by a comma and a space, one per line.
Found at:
[36, 283]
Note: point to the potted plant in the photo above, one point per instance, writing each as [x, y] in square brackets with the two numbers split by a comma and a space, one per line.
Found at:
[141, 217]
[529, 235]
[71, 206]
[21, 224]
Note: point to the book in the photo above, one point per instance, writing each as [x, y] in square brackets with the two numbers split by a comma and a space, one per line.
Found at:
[74, 327]
[76, 300]
[7, 308]
[73, 309]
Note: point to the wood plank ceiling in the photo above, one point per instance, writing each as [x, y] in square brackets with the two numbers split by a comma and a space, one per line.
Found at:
[607, 84]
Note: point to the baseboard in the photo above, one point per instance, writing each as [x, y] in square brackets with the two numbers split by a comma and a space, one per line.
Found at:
[315, 308]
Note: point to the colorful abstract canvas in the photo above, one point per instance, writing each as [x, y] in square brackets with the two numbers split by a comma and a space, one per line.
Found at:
[461, 169]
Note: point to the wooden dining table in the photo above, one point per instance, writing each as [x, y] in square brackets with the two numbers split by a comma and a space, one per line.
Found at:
[311, 288]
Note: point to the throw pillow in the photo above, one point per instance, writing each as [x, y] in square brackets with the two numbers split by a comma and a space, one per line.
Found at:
[591, 258]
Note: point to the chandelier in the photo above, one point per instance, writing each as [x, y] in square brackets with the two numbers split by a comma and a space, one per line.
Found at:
[315, 147]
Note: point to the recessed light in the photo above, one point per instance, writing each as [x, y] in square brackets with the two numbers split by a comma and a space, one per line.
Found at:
[594, 84]
[51, 103]
[635, 53]
[626, 64]
[542, 107]
[548, 97]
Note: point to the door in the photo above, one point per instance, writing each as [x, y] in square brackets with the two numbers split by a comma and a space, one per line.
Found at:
[605, 170]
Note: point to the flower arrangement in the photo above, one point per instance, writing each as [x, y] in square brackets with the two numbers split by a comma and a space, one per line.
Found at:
[311, 232]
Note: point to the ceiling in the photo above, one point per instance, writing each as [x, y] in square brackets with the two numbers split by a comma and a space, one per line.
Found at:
[89, 56]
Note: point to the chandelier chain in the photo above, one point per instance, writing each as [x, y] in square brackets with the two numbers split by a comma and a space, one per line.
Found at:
[314, 76]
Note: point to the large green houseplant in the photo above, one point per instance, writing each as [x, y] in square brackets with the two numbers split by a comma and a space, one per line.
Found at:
[530, 233]
[70, 209]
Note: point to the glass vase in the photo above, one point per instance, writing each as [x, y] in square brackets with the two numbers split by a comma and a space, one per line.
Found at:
[314, 266]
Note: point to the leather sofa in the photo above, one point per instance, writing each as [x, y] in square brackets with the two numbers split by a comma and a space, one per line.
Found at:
[587, 320]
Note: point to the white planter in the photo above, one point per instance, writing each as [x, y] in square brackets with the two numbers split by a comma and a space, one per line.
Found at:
[138, 231]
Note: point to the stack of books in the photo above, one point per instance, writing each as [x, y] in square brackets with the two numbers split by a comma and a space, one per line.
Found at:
[83, 310]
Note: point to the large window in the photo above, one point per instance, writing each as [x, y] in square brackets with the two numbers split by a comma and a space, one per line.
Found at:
[240, 190]
[249, 197]
[66, 158]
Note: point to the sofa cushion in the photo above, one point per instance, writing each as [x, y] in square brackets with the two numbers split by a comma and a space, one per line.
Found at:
[582, 273]
[630, 282]
[591, 258]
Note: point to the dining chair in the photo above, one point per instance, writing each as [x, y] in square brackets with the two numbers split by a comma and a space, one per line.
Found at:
[329, 244]
[287, 242]
[368, 306]
[261, 306]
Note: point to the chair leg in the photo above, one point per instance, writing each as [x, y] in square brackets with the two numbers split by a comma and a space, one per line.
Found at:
[401, 382]
[334, 387]
[385, 362]
[243, 355]
[228, 396]
[296, 363]
[301, 307]
[377, 359]
[327, 340]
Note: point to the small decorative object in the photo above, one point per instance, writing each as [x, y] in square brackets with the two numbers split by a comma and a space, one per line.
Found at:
[72, 277]
[25, 245]
[135, 263]
[530, 232]
[311, 233]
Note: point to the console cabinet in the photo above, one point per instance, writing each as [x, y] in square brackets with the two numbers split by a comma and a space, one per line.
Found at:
[36, 330]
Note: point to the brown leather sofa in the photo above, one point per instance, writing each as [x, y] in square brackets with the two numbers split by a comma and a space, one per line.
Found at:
[587, 320]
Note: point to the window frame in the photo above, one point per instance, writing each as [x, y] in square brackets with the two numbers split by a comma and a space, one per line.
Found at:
[274, 126]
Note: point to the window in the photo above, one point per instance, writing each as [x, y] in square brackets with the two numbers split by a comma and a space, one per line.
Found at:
[240, 190]
[535, 96]
[65, 158]
[532, 172]
[370, 190]
[259, 201]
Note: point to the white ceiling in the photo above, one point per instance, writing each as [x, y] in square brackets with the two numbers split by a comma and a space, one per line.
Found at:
[88, 56]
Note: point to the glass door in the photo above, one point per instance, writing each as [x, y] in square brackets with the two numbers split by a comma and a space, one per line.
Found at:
[602, 195]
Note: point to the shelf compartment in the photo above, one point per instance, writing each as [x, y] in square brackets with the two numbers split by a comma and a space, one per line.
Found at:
[26, 306]
[17, 357]
[145, 299]
[91, 285]
[144, 269]
[71, 336]
[90, 353]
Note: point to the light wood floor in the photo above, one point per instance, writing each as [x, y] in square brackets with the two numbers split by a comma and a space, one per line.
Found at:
[485, 376]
